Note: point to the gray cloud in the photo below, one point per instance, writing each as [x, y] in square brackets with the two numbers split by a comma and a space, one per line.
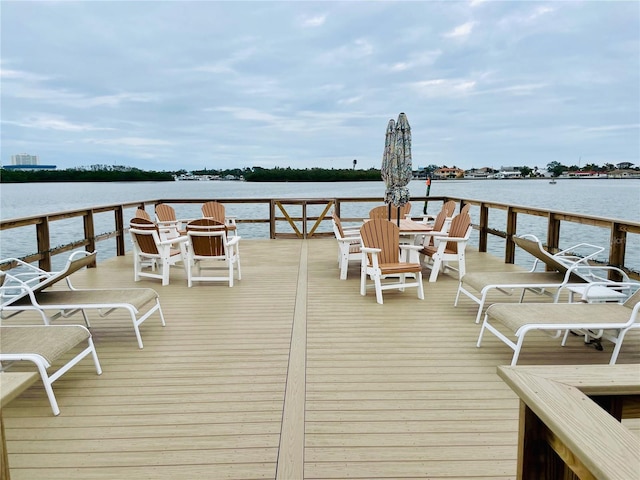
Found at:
[193, 84]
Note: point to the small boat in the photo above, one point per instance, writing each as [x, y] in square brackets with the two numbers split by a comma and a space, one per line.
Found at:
[553, 182]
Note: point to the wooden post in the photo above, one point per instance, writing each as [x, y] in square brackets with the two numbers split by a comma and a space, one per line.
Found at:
[510, 247]
[617, 249]
[44, 244]
[89, 231]
[484, 224]
[120, 233]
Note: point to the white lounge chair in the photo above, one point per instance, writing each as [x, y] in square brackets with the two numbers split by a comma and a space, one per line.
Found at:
[29, 290]
[43, 345]
[609, 321]
[560, 272]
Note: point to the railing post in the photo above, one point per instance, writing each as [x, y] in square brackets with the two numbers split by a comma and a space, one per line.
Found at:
[484, 224]
[553, 233]
[44, 244]
[89, 231]
[617, 249]
[304, 219]
[120, 234]
[272, 219]
[510, 247]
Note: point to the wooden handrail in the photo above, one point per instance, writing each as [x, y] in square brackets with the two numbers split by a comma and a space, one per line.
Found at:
[618, 229]
[562, 428]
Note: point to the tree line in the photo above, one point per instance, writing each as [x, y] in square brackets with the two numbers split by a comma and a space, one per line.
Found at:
[114, 173]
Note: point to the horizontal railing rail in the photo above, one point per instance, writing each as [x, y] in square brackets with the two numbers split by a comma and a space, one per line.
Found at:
[298, 216]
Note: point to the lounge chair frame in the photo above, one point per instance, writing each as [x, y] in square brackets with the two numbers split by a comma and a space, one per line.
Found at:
[42, 346]
[561, 271]
[26, 291]
[610, 321]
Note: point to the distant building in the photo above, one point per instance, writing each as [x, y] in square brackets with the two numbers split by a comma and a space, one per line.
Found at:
[508, 174]
[24, 159]
[624, 165]
[445, 172]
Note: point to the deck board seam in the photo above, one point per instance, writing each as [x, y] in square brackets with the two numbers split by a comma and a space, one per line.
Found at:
[290, 462]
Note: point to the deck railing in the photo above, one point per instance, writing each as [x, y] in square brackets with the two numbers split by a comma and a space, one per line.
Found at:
[307, 218]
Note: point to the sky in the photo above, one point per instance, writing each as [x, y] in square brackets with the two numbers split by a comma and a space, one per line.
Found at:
[171, 85]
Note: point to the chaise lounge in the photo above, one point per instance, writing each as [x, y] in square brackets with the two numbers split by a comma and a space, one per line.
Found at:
[28, 290]
[43, 345]
[562, 269]
[609, 321]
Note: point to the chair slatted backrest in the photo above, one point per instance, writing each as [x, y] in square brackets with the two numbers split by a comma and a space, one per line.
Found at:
[458, 229]
[140, 213]
[446, 212]
[385, 235]
[165, 213]
[143, 230]
[207, 237]
[338, 223]
[214, 210]
[465, 208]
[382, 211]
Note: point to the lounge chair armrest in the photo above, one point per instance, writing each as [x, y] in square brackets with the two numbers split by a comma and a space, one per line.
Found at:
[570, 252]
[370, 250]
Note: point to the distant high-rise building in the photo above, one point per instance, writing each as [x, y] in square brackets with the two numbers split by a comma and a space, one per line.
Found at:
[24, 159]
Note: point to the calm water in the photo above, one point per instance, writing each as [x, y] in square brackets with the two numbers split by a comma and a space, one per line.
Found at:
[608, 198]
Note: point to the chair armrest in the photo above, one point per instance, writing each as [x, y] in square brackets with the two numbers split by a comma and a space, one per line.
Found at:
[234, 240]
[407, 246]
[350, 239]
[370, 249]
[172, 241]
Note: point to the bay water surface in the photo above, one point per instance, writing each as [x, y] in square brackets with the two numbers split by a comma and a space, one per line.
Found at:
[611, 198]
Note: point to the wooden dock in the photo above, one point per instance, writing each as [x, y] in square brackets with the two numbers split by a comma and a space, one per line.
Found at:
[291, 374]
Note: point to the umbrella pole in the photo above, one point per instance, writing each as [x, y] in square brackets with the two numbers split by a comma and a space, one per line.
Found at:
[398, 215]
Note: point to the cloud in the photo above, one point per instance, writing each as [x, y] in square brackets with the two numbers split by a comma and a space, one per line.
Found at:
[129, 142]
[44, 122]
[461, 31]
[441, 87]
[301, 83]
[307, 21]
[415, 61]
[356, 50]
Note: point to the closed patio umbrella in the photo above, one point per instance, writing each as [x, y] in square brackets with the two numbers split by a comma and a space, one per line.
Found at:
[396, 168]
[387, 158]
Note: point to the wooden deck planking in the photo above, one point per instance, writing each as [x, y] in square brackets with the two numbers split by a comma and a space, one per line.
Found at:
[289, 372]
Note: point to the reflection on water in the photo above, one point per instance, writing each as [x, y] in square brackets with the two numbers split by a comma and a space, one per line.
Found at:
[606, 198]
